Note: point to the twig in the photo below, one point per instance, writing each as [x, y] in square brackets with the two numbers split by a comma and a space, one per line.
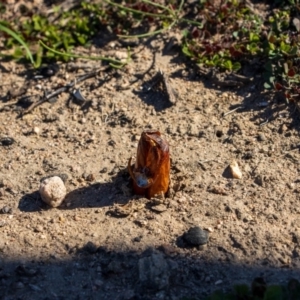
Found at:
[264, 123]
[59, 91]
[8, 104]
[231, 111]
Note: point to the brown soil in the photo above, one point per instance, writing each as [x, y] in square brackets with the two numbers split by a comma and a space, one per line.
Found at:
[85, 249]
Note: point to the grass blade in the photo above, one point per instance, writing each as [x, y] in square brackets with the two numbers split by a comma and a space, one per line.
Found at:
[19, 40]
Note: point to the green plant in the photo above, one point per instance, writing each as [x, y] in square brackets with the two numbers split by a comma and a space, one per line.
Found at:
[44, 41]
[18, 39]
[225, 35]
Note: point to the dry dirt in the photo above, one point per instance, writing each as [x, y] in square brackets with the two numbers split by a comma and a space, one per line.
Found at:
[83, 249]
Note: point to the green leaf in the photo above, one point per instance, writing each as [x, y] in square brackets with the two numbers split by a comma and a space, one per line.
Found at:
[19, 40]
[39, 55]
[284, 47]
[267, 86]
[254, 37]
[18, 53]
[236, 66]
[81, 39]
[293, 50]
[235, 34]
[36, 23]
[227, 65]
[272, 46]
[186, 50]
[185, 33]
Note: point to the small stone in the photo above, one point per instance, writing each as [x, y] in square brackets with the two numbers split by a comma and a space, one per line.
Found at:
[75, 169]
[38, 228]
[76, 218]
[90, 177]
[61, 219]
[114, 267]
[181, 199]
[104, 170]
[50, 70]
[137, 239]
[218, 282]
[259, 180]
[50, 117]
[196, 236]
[153, 272]
[53, 191]
[36, 130]
[235, 170]
[219, 190]
[210, 229]
[121, 55]
[6, 210]
[261, 137]
[3, 223]
[159, 208]
[6, 141]
[283, 128]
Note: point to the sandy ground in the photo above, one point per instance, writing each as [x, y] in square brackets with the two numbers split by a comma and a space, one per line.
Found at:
[84, 249]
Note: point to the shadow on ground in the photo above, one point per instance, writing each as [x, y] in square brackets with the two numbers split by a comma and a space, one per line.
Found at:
[94, 272]
[93, 195]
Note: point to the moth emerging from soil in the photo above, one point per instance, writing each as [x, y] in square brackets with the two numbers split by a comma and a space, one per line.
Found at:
[161, 82]
[151, 171]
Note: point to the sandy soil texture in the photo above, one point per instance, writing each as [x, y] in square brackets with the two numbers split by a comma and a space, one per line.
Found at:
[104, 242]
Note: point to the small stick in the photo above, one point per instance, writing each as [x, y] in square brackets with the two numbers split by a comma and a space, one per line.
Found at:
[59, 91]
[8, 104]
[231, 111]
[264, 123]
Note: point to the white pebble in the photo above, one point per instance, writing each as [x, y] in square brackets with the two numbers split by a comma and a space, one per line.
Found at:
[36, 130]
[53, 191]
[235, 170]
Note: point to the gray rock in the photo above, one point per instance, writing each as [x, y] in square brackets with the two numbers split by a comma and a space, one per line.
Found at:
[154, 272]
[6, 210]
[6, 141]
[115, 267]
[261, 137]
[196, 236]
[159, 208]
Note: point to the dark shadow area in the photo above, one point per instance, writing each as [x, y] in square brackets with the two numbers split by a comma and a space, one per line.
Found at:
[97, 272]
[32, 202]
[157, 99]
[94, 195]
[227, 173]
[267, 105]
